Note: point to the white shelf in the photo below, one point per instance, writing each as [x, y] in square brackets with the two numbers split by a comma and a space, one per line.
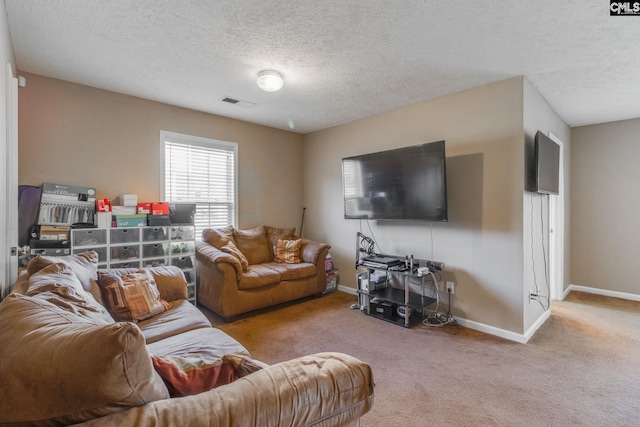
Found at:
[138, 247]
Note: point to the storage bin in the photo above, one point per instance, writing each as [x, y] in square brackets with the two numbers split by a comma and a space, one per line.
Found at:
[101, 251]
[154, 234]
[332, 281]
[88, 237]
[125, 252]
[125, 235]
[155, 262]
[130, 264]
[151, 250]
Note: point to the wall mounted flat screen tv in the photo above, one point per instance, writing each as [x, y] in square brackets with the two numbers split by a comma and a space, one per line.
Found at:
[547, 165]
[404, 183]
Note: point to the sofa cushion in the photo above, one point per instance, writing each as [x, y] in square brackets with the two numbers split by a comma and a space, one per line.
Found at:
[218, 237]
[287, 251]
[84, 265]
[57, 284]
[170, 281]
[303, 270]
[186, 376]
[181, 317]
[253, 244]
[258, 276]
[60, 368]
[231, 249]
[204, 343]
[131, 297]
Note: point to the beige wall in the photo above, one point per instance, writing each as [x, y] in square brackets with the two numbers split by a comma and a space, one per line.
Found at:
[80, 135]
[74, 134]
[605, 234]
[539, 116]
[482, 244]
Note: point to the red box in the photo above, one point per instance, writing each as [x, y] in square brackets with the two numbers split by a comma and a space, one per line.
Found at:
[103, 205]
[143, 208]
[160, 208]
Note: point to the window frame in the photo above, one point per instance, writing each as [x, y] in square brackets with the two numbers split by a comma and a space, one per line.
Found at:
[181, 138]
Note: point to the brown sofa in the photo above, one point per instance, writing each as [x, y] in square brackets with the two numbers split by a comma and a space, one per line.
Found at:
[64, 360]
[229, 289]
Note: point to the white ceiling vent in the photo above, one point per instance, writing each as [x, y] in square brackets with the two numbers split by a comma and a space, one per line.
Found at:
[239, 102]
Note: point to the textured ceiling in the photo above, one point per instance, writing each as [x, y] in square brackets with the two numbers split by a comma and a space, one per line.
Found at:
[342, 60]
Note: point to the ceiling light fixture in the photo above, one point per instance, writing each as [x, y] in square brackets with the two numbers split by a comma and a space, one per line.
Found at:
[270, 80]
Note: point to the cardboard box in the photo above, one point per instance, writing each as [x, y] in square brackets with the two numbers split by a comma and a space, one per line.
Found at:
[50, 251]
[123, 210]
[49, 247]
[103, 219]
[160, 208]
[48, 244]
[131, 220]
[54, 232]
[66, 204]
[158, 220]
[182, 213]
[103, 205]
[144, 208]
[129, 199]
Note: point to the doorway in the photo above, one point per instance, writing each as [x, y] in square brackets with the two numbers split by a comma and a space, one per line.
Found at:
[557, 232]
[9, 180]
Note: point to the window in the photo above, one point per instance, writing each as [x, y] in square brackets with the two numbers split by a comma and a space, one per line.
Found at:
[201, 171]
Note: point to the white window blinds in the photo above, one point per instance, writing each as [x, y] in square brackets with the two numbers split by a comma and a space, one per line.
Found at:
[201, 171]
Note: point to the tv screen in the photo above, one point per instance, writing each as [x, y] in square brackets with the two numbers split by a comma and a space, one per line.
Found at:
[405, 183]
[547, 165]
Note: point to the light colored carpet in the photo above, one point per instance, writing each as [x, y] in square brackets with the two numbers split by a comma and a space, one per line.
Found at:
[582, 368]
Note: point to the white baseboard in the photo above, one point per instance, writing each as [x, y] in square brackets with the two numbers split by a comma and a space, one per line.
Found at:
[492, 330]
[481, 327]
[347, 289]
[536, 325]
[524, 338]
[604, 292]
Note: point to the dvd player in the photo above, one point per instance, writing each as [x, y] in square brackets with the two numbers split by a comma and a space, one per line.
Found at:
[380, 262]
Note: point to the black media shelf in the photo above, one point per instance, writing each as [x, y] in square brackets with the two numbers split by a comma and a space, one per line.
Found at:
[396, 296]
[383, 301]
[415, 318]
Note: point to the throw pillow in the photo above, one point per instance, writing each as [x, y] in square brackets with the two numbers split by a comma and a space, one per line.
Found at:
[253, 244]
[288, 251]
[218, 237]
[278, 233]
[186, 376]
[131, 297]
[232, 249]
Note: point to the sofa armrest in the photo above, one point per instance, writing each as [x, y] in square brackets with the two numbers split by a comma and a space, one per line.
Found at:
[312, 250]
[327, 389]
[211, 256]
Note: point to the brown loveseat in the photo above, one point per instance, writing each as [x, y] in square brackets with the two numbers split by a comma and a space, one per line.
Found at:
[229, 288]
[64, 360]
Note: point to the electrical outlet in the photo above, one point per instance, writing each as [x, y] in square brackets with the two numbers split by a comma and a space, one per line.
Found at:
[440, 286]
[450, 287]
